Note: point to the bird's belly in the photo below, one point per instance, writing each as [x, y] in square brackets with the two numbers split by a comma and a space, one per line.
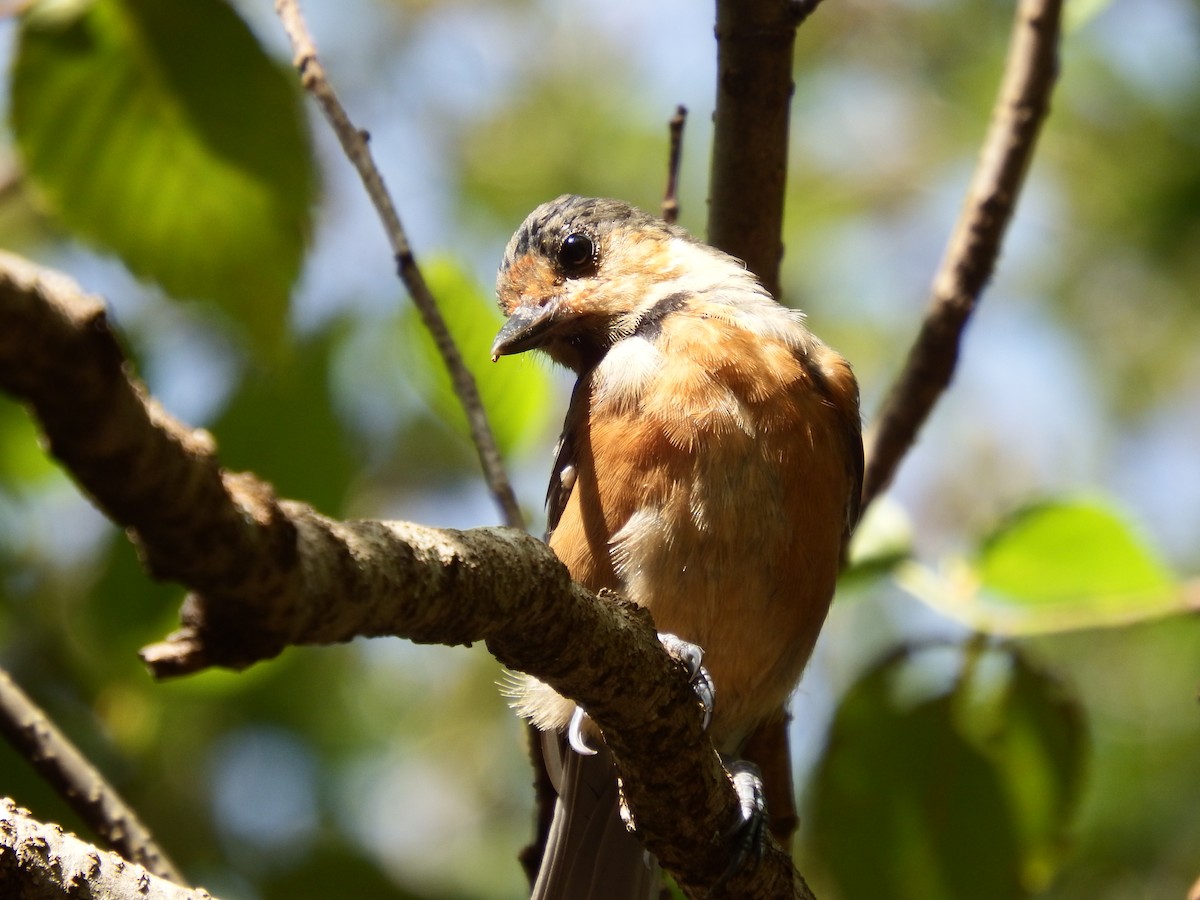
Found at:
[721, 509]
[720, 563]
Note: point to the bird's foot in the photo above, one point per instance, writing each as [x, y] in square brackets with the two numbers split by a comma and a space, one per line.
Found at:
[748, 835]
[575, 735]
[692, 657]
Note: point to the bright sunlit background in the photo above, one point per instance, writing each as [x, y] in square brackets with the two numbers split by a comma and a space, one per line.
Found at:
[385, 769]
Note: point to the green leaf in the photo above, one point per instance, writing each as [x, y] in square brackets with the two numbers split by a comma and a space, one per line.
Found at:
[515, 391]
[282, 425]
[1055, 566]
[935, 786]
[904, 807]
[1066, 551]
[163, 133]
[1031, 728]
[24, 462]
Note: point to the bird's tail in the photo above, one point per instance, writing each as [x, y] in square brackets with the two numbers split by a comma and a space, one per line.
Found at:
[590, 855]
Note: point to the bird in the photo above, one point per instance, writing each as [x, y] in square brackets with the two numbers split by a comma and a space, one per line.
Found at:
[709, 469]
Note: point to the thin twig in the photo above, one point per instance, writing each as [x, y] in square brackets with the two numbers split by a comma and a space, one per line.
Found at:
[1021, 107]
[355, 145]
[65, 769]
[670, 204]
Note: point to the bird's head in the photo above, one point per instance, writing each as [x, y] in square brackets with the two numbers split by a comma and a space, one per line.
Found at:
[580, 274]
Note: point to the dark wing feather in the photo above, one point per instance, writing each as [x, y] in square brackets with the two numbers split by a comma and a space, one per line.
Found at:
[559, 490]
[841, 393]
[566, 455]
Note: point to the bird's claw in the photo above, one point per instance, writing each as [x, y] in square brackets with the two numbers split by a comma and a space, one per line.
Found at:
[748, 835]
[575, 733]
[692, 657]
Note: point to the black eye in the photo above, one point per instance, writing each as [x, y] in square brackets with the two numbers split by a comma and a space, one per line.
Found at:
[577, 255]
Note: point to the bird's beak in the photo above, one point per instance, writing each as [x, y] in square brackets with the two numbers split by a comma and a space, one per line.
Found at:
[526, 328]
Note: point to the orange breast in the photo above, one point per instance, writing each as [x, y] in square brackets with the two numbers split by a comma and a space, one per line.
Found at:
[712, 488]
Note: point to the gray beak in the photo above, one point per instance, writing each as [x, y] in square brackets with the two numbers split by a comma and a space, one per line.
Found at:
[525, 329]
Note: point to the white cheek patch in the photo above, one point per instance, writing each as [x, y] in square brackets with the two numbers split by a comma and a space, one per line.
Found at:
[624, 374]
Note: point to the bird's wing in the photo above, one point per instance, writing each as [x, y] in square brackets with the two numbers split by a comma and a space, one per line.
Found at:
[831, 375]
[563, 472]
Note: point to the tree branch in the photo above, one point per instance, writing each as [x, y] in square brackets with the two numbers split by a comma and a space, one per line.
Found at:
[966, 268]
[802, 9]
[266, 573]
[42, 862]
[670, 203]
[750, 132]
[355, 145]
[97, 802]
[755, 40]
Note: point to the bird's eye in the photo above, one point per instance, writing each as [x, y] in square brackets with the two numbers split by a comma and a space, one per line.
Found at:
[577, 255]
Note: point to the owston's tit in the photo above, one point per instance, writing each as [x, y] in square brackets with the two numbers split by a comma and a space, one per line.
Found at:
[709, 468]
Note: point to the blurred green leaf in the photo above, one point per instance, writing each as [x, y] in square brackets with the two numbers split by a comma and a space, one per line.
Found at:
[905, 807]
[1064, 551]
[22, 458]
[515, 392]
[965, 787]
[335, 869]
[282, 425]
[569, 133]
[1060, 565]
[163, 133]
[1031, 728]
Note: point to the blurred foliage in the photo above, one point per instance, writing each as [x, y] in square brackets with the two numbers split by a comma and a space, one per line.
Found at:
[1058, 565]
[1059, 550]
[1052, 503]
[603, 153]
[282, 419]
[514, 395]
[166, 135]
[905, 753]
